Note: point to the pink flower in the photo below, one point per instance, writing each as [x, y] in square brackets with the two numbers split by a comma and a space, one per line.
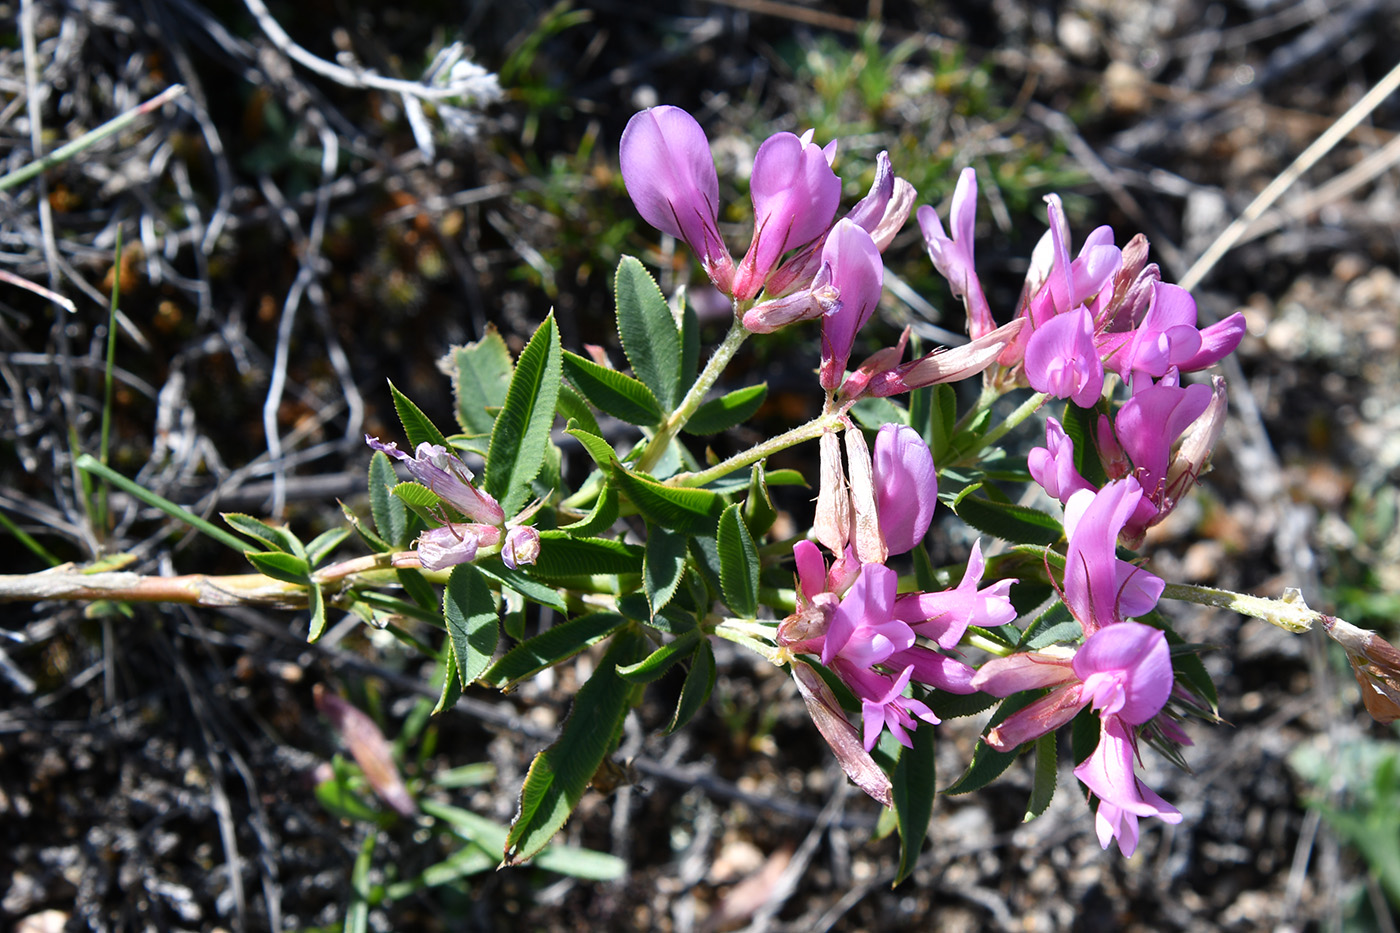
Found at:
[953, 256]
[1052, 466]
[795, 196]
[944, 616]
[670, 175]
[1061, 359]
[1109, 775]
[881, 213]
[445, 474]
[857, 274]
[906, 486]
[1100, 589]
[1124, 672]
[883, 704]
[454, 543]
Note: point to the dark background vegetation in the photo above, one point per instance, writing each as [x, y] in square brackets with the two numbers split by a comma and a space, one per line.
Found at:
[157, 765]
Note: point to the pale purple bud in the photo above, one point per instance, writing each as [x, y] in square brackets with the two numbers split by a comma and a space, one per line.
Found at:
[832, 523]
[670, 175]
[938, 366]
[953, 256]
[866, 534]
[369, 748]
[906, 486]
[795, 196]
[521, 547]
[1193, 454]
[818, 300]
[454, 543]
[1026, 670]
[1040, 717]
[857, 273]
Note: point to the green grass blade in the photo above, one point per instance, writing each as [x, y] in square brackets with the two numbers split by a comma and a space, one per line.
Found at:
[90, 464]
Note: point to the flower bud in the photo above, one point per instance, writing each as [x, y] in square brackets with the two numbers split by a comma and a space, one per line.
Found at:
[1376, 664]
[522, 546]
[832, 523]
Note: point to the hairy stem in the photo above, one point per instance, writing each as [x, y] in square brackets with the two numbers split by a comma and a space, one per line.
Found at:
[1289, 613]
[656, 447]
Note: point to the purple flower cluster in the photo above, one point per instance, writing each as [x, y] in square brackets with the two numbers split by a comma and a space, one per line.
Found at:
[833, 270]
[1106, 310]
[849, 614]
[457, 542]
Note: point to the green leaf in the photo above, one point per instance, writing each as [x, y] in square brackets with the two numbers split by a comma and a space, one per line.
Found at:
[915, 785]
[317, 603]
[520, 436]
[550, 647]
[988, 763]
[416, 425]
[943, 415]
[469, 608]
[663, 566]
[562, 555]
[1043, 790]
[481, 374]
[389, 514]
[416, 495]
[558, 776]
[524, 584]
[648, 332]
[600, 450]
[687, 511]
[654, 665]
[759, 511]
[279, 539]
[491, 836]
[324, 543]
[1018, 524]
[600, 518]
[417, 587]
[1081, 424]
[612, 392]
[573, 408]
[738, 564]
[723, 413]
[1052, 626]
[279, 565]
[873, 413]
[699, 681]
[451, 684]
[372, 540]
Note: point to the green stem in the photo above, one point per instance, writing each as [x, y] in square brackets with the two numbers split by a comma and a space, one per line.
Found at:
[656, 447]
[87, 463]
[1027, 408]
[806, 432]
[755, 636]
[1289, 613]
[989, 645]
[64, 153]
